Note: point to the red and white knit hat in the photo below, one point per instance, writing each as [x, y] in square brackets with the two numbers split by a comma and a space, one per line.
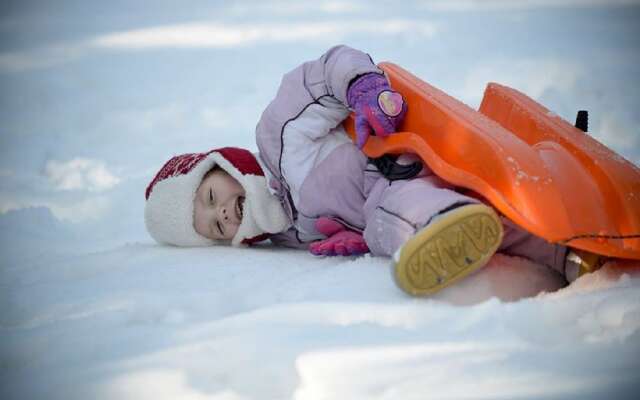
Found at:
[169, 209]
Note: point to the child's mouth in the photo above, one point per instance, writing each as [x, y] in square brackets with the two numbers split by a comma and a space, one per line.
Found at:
[240, 207]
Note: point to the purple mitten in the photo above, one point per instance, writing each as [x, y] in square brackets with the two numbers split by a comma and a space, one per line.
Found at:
[339, 241]
[379, 110]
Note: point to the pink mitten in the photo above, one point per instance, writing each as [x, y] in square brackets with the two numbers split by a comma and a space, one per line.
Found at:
[379, 110]
[339, 241]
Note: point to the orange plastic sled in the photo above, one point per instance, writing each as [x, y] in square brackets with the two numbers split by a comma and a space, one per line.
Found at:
[547, 176]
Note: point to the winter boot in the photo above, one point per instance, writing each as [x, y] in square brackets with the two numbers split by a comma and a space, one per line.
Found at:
[580, 262]
[449, 248]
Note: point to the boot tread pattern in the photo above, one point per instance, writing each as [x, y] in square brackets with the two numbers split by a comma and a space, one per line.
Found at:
[448, 251]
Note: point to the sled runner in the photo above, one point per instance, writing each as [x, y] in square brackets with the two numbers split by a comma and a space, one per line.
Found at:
[547, 176]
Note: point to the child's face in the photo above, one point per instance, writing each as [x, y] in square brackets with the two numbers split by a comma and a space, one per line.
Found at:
[218, 206]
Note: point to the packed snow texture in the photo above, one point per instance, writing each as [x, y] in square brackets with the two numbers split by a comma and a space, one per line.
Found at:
[97, 95]
[139, 320]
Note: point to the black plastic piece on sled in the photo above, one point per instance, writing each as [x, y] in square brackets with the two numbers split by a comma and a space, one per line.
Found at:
[582, 120]
[393, 171]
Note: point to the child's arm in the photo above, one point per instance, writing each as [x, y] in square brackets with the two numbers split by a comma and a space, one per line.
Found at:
[311, 102]
[291, 238]
[303, 123]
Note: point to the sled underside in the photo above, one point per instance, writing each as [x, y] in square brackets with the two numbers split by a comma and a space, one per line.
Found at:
[540, 171]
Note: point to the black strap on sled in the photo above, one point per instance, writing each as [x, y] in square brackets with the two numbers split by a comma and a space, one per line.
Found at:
[389, 167]
[582, 120]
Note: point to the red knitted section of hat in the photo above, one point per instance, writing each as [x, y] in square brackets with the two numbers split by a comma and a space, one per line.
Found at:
[178, 165]
[243, 160]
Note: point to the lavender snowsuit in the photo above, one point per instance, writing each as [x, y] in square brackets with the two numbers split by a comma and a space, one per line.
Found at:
[314, 169]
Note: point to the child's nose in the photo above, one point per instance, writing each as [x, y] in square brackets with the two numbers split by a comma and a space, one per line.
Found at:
[223, 213]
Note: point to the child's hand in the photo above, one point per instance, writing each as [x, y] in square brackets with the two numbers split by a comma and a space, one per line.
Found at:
[379, 110]
[339, 241]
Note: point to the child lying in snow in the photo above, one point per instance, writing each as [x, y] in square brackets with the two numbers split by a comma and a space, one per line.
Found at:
[311, 187]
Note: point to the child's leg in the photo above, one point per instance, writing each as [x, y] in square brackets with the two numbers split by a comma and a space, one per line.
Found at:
[396, 211]
[518, 242]
[437, 225]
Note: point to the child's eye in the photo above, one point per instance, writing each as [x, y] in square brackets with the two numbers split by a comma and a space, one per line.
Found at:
[211, 195]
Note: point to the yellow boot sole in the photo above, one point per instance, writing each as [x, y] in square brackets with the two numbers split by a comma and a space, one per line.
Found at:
[448, 249]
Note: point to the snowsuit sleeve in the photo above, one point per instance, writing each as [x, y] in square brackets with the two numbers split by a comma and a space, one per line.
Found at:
[290, 238]
[311, 102]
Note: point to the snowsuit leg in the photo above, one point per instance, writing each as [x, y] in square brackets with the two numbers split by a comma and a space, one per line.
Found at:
[397, 210]
[518, 242]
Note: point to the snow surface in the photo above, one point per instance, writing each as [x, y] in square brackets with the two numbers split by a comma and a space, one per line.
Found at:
[142, 321]
[97, 95]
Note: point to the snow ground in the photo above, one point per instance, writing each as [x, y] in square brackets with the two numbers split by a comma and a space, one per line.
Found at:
[142, 321]
[96, 95]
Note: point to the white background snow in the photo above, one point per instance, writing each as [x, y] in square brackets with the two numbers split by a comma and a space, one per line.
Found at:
[95, 96]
